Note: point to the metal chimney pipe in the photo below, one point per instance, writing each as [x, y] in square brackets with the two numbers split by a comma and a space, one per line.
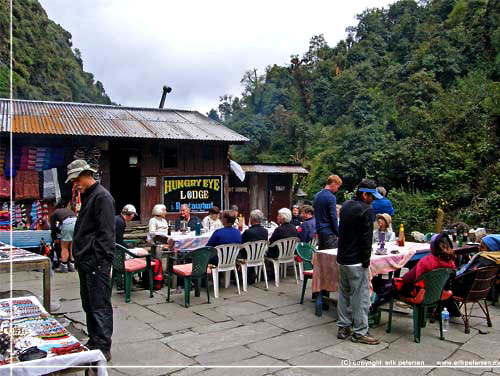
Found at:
[166, 90]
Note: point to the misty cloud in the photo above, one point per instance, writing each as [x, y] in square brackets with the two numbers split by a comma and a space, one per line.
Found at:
[199, 48]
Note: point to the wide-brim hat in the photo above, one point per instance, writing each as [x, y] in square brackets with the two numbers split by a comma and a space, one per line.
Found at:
[76, 167]
[386, 217]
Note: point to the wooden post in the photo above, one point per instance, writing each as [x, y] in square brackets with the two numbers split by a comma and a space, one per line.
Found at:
[439, 222]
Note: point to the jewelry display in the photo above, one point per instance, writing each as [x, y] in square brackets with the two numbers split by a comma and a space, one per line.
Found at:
[33, 333]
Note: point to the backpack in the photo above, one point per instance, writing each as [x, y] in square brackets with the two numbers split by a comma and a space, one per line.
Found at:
[157, 277]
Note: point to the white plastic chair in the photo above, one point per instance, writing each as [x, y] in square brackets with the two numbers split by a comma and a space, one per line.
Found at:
[227, 254]
[255, 258]
[286, 249]
[314, 243]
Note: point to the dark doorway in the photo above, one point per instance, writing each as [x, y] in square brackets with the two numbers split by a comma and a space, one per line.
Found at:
[279, 194]
[125, 175]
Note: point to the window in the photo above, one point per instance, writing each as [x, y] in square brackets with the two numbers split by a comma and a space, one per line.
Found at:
[169, 157]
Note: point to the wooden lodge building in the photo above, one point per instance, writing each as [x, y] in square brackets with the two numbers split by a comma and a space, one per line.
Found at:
[144, 156]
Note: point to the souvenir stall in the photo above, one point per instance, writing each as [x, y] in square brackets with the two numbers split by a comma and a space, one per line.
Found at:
[34, 343]
[36, 174]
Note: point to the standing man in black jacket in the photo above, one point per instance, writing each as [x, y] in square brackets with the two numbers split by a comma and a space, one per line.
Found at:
[93, 249]
[353, 258]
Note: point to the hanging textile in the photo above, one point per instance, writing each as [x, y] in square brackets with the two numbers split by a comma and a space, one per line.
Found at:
[4, 187]
[51, 189]
[26, 186]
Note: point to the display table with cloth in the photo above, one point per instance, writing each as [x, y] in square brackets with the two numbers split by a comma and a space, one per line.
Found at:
[25, 238]
[33, 327]
[23, 260]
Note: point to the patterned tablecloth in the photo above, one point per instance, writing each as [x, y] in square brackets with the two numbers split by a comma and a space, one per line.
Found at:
[189, 241]
[326, 275]
[33, 326]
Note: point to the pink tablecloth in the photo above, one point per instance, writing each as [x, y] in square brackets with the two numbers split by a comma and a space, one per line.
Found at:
[326, 276]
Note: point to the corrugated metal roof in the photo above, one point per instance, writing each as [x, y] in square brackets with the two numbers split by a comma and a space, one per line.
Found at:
[273, 169]
[77, 119]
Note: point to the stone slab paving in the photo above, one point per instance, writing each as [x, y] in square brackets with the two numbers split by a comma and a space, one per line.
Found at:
[297, 343]
[226, 356]
[266, 328]
[299, 320]
[232, 337]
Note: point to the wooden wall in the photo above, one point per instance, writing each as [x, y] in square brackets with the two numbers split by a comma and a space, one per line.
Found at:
[194, 159]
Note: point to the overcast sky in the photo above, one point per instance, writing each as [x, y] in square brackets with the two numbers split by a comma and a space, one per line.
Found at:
[199, 48]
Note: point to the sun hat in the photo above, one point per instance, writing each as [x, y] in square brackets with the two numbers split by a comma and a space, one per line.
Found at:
[369, 186]
[76, 167]
[386, 217]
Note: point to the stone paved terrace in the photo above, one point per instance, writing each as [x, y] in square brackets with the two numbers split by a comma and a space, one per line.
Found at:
[260, 328]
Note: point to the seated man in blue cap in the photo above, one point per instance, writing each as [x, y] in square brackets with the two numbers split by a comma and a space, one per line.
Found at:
[489, 255]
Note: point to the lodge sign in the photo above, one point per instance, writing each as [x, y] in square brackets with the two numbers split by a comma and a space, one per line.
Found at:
[199, 192]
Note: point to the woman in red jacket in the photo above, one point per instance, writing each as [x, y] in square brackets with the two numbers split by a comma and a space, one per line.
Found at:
[442, 256]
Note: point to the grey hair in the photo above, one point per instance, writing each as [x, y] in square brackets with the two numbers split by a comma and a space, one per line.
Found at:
[256, 216]
[186, 206]
[158, 209]
[382, 191]
[286, 214]
[234, 207]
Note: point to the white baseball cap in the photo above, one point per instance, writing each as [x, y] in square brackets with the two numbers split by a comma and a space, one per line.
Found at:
[129, 209]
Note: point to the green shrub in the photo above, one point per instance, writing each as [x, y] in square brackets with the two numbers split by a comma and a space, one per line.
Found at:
[416, 210]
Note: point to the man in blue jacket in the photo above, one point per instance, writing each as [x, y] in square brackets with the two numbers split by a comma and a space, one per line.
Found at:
[384, 205]
[325, 209]
[308, 227]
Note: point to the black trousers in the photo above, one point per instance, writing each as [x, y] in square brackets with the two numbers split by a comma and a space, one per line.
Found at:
[327, 241]
[95, 292]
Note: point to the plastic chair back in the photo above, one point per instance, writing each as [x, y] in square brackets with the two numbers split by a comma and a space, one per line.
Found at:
[119, 259]
[255, 250]
[482, 282]
[286, 247]
[200, 258]
[434, 281]
[227, 254]
[305, 252]
[314, 241]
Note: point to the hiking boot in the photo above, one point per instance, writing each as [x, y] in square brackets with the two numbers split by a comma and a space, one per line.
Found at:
[344, 332]
[71, 267]
[367, 339]
[63, 268]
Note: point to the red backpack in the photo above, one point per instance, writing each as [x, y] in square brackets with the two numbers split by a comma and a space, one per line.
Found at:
[157, 275]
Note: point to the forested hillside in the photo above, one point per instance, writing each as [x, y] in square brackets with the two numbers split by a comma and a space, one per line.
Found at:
[44, 65]
[411, 98]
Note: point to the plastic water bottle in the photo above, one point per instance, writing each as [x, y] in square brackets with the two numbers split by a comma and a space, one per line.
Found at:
[445, 318]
